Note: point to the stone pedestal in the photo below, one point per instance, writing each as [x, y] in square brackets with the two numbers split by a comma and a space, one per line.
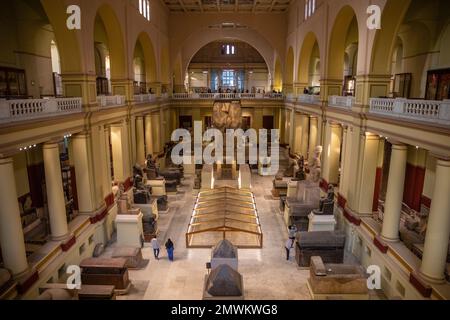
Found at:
[207, 177]
[158, 187]
[292, 189]
[129, 230]
[321, 222]
[245, 177]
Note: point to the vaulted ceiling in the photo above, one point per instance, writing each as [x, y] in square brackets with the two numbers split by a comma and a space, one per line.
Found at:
[254, 6]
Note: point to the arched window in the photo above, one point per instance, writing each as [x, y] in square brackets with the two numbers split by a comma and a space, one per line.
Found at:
[310, 8]
[144, 8]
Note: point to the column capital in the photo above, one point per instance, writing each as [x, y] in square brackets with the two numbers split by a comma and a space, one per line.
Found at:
[441, 158]
[6, 160]
[396, 145]
[52, 144]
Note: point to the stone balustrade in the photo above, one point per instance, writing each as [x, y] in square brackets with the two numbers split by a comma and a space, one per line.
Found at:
[143, 98]
[309, 98]
[29, 109]
[418, 110]
[227, 96]
[341, 102]
[111, 101]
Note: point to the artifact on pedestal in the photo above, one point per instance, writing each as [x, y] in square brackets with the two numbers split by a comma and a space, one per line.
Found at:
[329, 245]
[315, 167]
[130, 231]
[338, 281]
[227, 115]
[298, 208]
[223, 283]
[224, 252]
[97, 271]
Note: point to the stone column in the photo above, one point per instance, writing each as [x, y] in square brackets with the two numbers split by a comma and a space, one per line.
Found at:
[435, 250]
[344, 160]
[292, 130]
[305, 136]
[362, 160]
[83, 171]
[55, 193]
[331, 153]
[148, 135]
[11, 233]
[298, 134]
[140, 145]
[313, 133]
[156, 128]
[121, 159]
[394, 193]
[105, 158]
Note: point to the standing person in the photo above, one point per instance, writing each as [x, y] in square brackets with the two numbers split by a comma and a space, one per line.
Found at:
[288, 246]
[156, 247]
[170, 248]
[292, 231]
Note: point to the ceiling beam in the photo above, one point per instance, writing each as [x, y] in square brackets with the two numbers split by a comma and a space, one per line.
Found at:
[182, 5]
[272, 4]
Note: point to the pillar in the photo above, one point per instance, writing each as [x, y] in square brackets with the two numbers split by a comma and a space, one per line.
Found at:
[362, 161]
[298, 133]
[105, 158]
[140, 144]
[156, 128]
[292, 131]
[313, 133]
[11, 233]
[434, 259]
[332, 151]
[121, 160]
[394, 193]
[305, 136]
[55, 193]
[84, 173]
[148, 135]
[343, 183]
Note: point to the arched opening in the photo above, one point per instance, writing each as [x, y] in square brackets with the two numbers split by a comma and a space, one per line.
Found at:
[108, 50]
[144, 65]
[413, 40]
[34, 51]
[308, 76]
[289, 72]
[229, 66]
[343, 53]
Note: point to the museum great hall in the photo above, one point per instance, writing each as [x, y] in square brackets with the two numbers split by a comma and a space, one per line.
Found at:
[91, 92]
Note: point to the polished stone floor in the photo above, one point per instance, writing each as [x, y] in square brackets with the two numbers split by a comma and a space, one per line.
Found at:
[266, 272]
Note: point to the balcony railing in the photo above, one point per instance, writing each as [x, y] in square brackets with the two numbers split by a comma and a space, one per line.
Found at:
[309, 98]
[226, 96]
[341, 102]
[291, 97]
[420, 110]
[29, 109]
[143, 98]
[110, 101]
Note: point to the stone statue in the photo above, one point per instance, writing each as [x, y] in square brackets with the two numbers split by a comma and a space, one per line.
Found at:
[300, 174]
[227, 115]
[315, 170]
[151, 168]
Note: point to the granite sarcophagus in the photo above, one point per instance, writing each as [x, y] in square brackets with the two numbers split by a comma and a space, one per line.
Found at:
[329, 245]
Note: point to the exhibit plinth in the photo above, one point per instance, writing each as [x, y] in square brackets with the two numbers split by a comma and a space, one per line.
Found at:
[321, 222]
[130, 230]
[292, 189]
[245, 177]
[207, 177]
[158, 187]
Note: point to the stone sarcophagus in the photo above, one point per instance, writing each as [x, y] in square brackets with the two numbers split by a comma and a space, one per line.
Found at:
[224, 253]
[329, 245]
[339, 281]
[297, 209]
[98, 271]
[223, 283]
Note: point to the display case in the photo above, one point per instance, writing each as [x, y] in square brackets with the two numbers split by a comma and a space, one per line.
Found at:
[438, 85]
[402, 85]
[12, 83]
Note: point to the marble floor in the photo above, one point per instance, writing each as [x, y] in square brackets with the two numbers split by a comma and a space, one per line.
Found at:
[266, 272]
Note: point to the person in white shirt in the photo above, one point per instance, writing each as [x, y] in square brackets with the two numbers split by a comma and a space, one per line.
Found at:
[156, 247]
[288, 246]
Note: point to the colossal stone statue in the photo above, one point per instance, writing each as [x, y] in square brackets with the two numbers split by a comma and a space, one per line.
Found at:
[227, 115]
[315, 170]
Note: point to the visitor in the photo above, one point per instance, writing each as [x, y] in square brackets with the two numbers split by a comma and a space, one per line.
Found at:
[288, 246]
[292, 231]
[156, 248]
[170, 248]
[305, 91]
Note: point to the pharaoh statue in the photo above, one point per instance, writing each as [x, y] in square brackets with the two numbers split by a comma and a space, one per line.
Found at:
[227, 115]
[315, 166]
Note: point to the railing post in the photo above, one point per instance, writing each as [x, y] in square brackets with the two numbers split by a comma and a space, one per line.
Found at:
[444, 110]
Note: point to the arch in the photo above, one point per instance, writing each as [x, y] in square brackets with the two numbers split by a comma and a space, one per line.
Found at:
[384, 43]
[145, 45]
[289, 72]
[115, 41]
[309, 45]
[66, 40]
[202, 37]
[277, 76]
[344, 33]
